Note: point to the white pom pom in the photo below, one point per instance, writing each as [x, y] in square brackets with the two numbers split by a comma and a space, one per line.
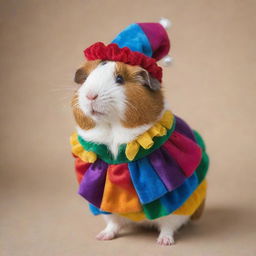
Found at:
[167, 60]
[165, 23]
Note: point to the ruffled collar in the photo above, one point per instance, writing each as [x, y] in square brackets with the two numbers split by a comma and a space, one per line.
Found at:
[143, 145]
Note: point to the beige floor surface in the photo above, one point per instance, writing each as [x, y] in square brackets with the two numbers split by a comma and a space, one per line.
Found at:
[212, 84]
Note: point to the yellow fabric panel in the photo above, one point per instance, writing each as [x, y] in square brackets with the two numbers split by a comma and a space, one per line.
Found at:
[161, 130]
[89, 157]
[194, 201]
[153, 131]
[131, 150]
[167, 119]
[73, 138]
[119, 200]
[136, 216]
[157, 130]
[145, 140]
[78, 150]
[188, 208]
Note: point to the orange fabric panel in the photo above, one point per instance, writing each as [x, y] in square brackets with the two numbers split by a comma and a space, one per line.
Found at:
[118, 199]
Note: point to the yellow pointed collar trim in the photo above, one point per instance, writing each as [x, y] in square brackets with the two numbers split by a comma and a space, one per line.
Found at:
[144, 140]
[78, 150]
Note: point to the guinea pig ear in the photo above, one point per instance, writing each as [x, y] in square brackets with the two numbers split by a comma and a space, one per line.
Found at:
[80, 76]
[149, 81]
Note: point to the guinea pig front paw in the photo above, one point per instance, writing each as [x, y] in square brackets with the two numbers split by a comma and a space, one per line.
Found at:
[106, 235]
[165, 240]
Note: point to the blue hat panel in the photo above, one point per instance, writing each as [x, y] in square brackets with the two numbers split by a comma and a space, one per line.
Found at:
[135, 39]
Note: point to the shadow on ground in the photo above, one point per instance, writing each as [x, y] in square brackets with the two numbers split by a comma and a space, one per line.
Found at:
[215, 223]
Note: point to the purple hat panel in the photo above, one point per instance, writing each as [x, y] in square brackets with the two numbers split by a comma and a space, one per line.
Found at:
[158, 39]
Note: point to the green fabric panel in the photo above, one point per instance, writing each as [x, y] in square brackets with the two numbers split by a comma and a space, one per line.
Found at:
[204, 164]
[103, 153]
[154, 210]
[199, 140]
[202, 168]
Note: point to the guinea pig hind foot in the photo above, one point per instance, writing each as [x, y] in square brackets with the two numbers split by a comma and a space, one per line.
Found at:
[168, 226]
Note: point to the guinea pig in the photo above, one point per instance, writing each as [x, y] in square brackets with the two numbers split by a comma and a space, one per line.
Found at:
[113, 106]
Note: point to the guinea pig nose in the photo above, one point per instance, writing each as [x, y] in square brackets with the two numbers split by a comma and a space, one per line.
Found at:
[91, 96]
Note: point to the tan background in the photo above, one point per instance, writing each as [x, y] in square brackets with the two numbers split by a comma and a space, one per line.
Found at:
[212, 84]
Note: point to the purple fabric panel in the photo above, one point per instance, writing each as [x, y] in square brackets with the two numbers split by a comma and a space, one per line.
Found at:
[93, 182]
[158, 39]
[167, 169]
[183, 128]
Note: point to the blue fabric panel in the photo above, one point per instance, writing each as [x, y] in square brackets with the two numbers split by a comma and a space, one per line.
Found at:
[175, 199]
[135, 39]
[147, 183]
[96, 211]
[172, 200]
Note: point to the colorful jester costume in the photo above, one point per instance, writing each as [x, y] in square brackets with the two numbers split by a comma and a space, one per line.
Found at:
[159, 173]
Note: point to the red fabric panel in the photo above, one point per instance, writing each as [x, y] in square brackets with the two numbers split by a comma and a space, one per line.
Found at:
[185, 151]
[80, 167]
[119, 175]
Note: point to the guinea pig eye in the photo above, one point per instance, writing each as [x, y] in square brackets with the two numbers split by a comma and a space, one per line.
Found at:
[119, 79]
[103, 62]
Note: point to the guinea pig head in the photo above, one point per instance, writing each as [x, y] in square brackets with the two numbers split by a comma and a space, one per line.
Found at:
[116, 92]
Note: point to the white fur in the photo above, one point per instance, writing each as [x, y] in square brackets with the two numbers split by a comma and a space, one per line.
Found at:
[111, 100]
[112, 135]
[167, 226]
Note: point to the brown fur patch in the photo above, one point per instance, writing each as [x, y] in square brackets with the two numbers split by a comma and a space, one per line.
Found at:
[144, 105]
[85, 70]
[199, 211]
[82, 120]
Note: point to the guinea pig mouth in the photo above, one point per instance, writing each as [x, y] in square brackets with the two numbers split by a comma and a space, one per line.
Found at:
[97, 113]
